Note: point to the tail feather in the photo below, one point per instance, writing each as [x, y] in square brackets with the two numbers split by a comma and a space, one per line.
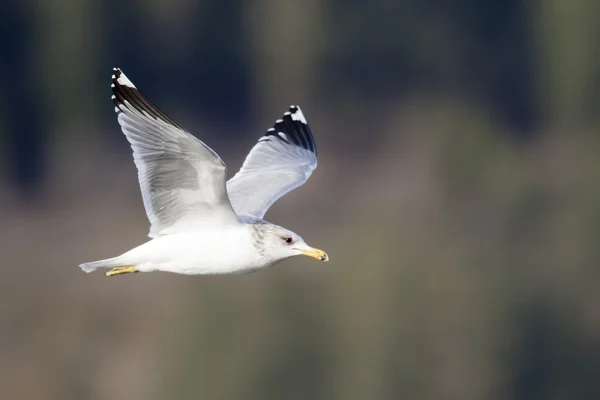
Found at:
[93, 265]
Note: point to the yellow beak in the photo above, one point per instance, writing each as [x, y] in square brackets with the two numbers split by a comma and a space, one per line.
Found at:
[314, 253]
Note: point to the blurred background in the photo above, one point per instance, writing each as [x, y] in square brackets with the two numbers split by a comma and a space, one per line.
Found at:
[457, 195]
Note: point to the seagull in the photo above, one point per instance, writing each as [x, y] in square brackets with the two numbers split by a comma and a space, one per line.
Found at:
[201, 224]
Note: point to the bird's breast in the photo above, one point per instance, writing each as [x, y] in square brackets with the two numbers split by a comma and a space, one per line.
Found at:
[206, 252]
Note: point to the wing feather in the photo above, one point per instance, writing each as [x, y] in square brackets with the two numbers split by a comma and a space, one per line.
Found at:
[182, 180]
[282, 160]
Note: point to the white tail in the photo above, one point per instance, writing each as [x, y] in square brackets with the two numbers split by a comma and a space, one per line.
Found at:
[92, 266]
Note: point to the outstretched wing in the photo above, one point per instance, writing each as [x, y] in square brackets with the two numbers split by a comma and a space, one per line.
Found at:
[282, 160]
[182, 180]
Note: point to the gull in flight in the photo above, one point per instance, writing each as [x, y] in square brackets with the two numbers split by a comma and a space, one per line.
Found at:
[199, 222]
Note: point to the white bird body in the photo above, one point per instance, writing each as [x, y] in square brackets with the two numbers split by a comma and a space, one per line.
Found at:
[193, 253]
[199, 223]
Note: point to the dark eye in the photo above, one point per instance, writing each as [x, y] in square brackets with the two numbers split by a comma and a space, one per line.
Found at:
[288, 239]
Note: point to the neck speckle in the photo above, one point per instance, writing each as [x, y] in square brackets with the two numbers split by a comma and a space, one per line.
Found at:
[259, 232]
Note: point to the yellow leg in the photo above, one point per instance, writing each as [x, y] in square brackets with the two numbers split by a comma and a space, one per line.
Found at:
[126, 269]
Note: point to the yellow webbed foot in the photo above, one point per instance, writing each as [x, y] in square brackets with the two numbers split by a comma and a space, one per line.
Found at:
[126, 269]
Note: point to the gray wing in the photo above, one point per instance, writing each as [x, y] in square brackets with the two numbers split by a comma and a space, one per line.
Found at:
[182, 180]
[282, 160]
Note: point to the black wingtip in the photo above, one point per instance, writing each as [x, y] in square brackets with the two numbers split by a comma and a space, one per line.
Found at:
[293, 129]
[126, 95]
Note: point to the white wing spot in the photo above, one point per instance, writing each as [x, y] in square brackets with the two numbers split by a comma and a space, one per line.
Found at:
[283, 135]
[279, 121]
[298, 116]
[271, 130]
[123, 80]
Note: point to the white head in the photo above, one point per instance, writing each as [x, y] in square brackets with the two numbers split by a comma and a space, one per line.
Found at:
[276, 244]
